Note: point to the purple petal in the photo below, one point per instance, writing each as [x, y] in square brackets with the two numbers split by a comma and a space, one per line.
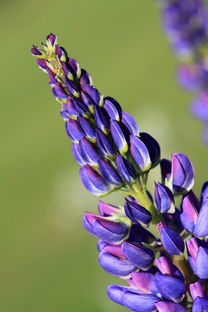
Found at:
[182, 173]
[74, 66]
[115, 265]
[140, 256]
[85, 78]
[113, 108]
[73, 130]
[93, 93]
[104, 145]
[170, 287]
[108, 172]
[107, 209]
[204, 191]
[101, 118]
[200, 305]
[93, 182]
[118, 137]
[77, 154]
[145, 282]
[88, 151]
[59, 92]
[164, 199]
[125, 169]
[139, 302]
[130, 123]
[140, 153]
[36, 50]
[137, 213]
[164, 306]
[110, 231]
[197, 290]
[171, 240]
[152, 146]
[87, 127]
[201, 263]
[52, 38]
[189, 213]
[201, 228]
[115, 293]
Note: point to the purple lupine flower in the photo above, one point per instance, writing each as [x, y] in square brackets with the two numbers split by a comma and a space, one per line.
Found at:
[114, 155]
[96, 123]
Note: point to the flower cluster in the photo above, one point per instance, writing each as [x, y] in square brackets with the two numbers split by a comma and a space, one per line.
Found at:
[156, 243]
[186, 25]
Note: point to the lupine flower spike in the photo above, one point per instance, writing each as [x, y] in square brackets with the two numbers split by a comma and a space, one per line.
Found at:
[159, 248]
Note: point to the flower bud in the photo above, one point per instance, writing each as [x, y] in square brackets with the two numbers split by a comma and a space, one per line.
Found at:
[170, 288]
[59, 92]
[73, 130]
[107, 209]
[130, 123]
[101, 118]
[189, 215]
[104, 145]
[77, 154]
[137, 213]
[87, 127]
[108, 172]
[139, 302]
[197, 290]
[118, 137]
[85, 78]
[93, 93]
[182, 173]
[139, 153]
[125, 169]
[88, 151]
[171, 240]
[113, 108]
[138, 255]
[144, 282]
[152, 146]
[92, 180]
[115, 265]
[104, 228]
[164, 199]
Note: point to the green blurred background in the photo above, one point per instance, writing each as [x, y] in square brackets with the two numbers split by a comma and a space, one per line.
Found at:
[48, 262]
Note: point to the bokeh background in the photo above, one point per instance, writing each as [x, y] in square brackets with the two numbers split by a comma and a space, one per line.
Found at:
[48, 262]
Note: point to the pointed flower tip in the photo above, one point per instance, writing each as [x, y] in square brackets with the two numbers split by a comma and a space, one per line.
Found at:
[182, 173]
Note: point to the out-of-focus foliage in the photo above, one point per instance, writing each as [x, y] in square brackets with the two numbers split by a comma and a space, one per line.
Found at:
[48, 261]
